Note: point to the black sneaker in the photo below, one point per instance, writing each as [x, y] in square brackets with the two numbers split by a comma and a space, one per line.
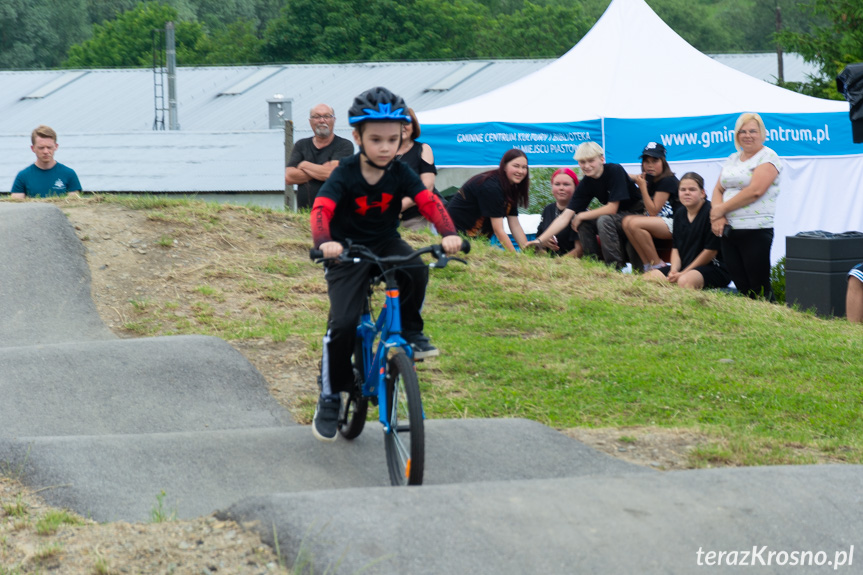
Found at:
[326, 423]
[422, 347]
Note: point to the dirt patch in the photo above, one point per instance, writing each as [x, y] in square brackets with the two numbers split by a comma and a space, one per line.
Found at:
[658, 448]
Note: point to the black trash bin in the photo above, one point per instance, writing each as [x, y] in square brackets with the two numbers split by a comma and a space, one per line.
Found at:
[816, 269]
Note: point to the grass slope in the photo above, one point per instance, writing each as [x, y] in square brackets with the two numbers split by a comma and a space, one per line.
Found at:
[571, 343]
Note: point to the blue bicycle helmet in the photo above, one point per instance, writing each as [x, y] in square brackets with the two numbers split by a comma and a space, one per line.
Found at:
[378, 105]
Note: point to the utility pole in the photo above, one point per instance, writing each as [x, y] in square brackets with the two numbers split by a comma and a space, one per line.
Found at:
[780, 68]
[171, 53]
[281, 117]
[290, 194]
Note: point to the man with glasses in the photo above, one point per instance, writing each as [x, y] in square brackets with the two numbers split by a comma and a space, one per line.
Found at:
[314, 159]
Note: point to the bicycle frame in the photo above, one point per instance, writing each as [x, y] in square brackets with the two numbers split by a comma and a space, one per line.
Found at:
[386, 328]
[389, 326]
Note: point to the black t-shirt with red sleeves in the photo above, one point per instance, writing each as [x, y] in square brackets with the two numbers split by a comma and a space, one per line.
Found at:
[368, 214]
[613, 185]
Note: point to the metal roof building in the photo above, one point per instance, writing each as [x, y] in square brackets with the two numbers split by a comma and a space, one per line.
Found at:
[765, 66]
[104, 118]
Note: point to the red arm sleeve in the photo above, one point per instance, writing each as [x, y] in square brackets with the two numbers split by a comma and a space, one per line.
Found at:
[434, 211]
[322, 214]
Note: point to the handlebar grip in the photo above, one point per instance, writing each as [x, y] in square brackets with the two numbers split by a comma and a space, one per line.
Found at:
[316, 254]
[465, 246]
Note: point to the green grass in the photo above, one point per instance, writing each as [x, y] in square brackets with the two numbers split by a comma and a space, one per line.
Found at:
[15, 509]
[574, 344]
[49, 523]
[159, 512]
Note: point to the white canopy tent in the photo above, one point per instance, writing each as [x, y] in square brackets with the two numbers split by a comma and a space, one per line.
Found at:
[632, 80]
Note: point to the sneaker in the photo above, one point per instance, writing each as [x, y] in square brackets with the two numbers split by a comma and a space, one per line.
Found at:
[422, 347]
[326, 423]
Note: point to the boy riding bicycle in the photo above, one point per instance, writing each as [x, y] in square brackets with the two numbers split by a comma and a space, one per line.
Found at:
[360, 203]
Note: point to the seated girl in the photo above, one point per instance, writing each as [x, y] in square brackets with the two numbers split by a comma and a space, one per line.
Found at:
[695, 261]
[482, 203]
[658, 187]
[565, 242]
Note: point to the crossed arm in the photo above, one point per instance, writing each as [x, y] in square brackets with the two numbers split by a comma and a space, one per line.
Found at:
[306, 171]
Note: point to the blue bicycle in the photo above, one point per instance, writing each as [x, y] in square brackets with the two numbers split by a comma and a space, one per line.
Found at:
[386, 375]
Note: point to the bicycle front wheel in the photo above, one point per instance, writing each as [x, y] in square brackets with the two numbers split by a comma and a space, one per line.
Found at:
[405, 443]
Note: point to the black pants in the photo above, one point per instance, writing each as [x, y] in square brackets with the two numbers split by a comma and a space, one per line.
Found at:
[746, 254]
[347, 285]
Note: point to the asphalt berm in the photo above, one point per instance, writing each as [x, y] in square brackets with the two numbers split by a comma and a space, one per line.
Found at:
[101, 424]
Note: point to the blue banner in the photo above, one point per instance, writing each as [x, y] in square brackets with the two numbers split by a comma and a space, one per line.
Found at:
[710, 137]
[484, 144]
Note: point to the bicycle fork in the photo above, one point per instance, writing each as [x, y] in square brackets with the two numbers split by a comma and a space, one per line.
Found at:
[388, 324]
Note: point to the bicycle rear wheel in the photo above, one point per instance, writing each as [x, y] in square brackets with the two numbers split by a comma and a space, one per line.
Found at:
[352, 418]
[405, 443]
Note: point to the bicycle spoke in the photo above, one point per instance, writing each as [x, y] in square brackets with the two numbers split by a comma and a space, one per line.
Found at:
[405, 441]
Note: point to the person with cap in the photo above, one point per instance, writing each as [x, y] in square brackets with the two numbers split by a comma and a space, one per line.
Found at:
[563, 184]
[618, 195]
[658, 187]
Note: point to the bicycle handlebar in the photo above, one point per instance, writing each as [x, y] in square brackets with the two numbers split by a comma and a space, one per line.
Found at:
[358, 253]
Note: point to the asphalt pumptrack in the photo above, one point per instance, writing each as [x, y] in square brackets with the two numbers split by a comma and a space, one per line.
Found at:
[102, 425]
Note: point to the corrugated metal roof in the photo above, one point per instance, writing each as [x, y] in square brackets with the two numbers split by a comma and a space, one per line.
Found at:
[765, 66]
[104, 118]
[112, 101]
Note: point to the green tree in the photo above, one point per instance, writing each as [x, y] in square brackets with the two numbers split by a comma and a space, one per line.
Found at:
[420, 29]
[534, 32]
[751, 26]
[127, 41]
[100, 10]
[37, 33]
[349, 30]
[830, 46]
[353, 30]
[314, 31]
[215, 14]
[695, 23]
[235, 43]
[718, 26]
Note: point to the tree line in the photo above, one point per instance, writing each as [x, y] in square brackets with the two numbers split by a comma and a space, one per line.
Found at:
[118, 33]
